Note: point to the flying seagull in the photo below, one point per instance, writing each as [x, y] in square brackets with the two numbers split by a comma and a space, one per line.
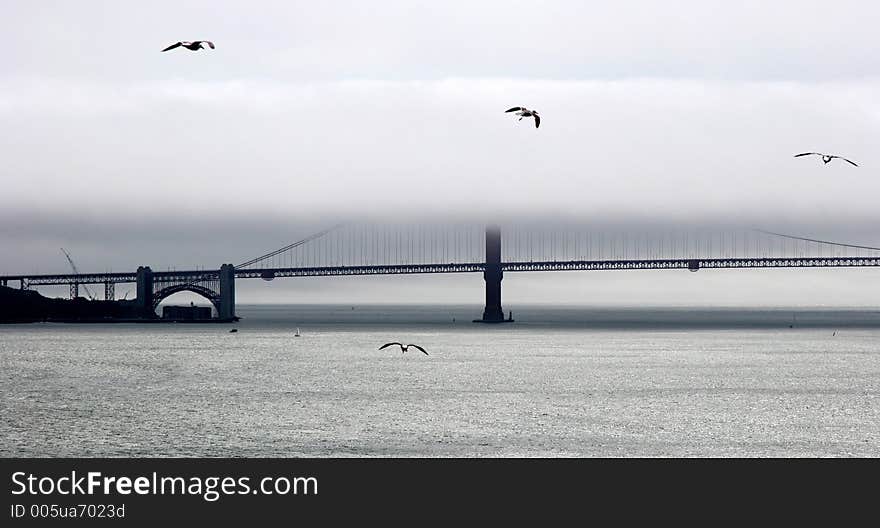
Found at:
[826, 157]
[195, 45]
[404, 348]
[522, 112]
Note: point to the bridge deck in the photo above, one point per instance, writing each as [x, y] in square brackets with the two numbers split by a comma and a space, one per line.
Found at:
[572, 265]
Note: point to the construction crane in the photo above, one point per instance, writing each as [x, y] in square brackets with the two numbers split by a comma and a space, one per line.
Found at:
[76, 271]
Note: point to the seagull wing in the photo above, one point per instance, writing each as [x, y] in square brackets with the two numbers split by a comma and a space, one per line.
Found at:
[386, 345]
[209, 43]
[537, 120]
[515, 109]
[171, 47]
[807, 154]
[425, 352]
[844, 159]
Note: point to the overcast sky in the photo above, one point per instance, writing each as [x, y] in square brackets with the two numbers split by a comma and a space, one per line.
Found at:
[678, 112]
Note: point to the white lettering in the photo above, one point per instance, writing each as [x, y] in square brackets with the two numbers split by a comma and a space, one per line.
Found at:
[14, 481]
[94, 481]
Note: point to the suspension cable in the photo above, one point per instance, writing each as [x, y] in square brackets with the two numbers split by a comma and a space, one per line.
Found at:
[291, 246]
[815, 240]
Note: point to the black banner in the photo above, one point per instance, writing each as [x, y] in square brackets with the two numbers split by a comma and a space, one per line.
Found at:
[123, 491]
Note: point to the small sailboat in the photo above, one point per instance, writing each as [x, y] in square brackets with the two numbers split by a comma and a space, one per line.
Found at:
[297, 332]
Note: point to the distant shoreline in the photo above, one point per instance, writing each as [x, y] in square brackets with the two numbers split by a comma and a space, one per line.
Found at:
[158, 320]
[26, 306]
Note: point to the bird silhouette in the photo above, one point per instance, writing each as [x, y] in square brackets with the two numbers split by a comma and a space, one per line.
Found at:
[195, 45]
[522, 112]
[826, 157]
[404, 348]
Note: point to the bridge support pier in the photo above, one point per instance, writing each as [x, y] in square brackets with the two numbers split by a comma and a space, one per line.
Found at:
[227, 292]
[145, 292]
[492, 274]
[109, 291]
[74, 290]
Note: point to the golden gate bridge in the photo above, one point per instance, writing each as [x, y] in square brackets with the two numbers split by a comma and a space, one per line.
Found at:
[361, 248]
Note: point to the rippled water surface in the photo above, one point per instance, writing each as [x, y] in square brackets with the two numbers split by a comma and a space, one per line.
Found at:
[559, 382]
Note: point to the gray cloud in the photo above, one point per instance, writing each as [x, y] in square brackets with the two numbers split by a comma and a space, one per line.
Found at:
[675, 148]
[683, 113]
[398, 39]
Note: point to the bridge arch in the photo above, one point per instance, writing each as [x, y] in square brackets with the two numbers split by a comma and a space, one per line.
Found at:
[205, 292]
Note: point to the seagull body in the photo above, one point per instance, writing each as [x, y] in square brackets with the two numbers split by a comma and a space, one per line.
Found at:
[826, 157]
[522, 112]
[195, 45]
[404, 348]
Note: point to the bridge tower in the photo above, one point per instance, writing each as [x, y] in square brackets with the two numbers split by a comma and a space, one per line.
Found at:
[492, 274]
[145, 292]
[226, 309]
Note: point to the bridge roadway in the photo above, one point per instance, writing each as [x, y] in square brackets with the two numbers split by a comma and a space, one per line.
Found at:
[400, 269]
